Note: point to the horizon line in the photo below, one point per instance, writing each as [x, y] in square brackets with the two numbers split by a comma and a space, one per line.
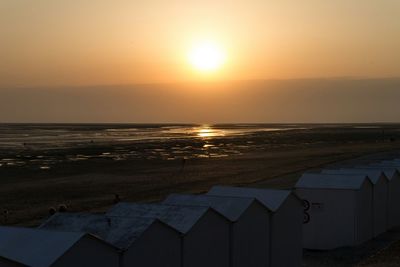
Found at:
[333, 78]
[208, 123]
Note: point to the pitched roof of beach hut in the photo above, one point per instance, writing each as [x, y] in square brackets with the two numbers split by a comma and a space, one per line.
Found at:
[389, 171]
[270, 198]
[331, 181]
[118, 231]
[230, 207]
[373, 174]
[34, 247]
[181, 218]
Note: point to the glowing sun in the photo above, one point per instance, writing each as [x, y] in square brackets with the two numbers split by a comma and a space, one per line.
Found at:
[206, 56]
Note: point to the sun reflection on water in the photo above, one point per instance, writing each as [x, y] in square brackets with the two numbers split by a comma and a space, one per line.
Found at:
[206, 131]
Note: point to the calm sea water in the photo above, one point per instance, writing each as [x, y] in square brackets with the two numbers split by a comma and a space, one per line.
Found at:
[48, 136]
[43, 145]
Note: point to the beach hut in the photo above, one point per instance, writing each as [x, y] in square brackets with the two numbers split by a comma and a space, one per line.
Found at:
[205, 233]
[138, 239]
[393, 194]
[286, 213]
[43, 248]
[339, 209]
[4, 262]
[380, 194]
[249, 240]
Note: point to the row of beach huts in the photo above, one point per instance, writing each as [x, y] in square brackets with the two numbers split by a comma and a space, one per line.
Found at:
[226, 227]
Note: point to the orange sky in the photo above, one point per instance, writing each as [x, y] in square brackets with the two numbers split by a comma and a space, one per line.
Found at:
[63, 43]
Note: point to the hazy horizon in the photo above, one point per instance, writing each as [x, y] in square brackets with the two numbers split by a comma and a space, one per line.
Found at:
[259, 101]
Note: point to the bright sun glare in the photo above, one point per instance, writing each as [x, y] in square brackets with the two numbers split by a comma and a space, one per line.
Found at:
[206, 56]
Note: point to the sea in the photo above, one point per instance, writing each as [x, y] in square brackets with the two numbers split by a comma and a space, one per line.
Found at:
[43, 146]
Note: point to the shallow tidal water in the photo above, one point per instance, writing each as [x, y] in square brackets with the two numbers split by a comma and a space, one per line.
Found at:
[42, 146]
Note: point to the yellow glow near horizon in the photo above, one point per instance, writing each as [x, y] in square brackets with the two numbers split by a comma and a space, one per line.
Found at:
[207, 56]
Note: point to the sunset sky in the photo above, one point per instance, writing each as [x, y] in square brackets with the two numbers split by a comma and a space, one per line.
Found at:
[56, 48]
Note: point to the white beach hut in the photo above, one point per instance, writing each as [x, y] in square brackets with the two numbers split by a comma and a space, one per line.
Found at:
[285, 227]
[139, 239]
[340, 210]
[4, 262]
[205, 233]
[380, 194]
[393, 194]
[249, 235]
[43, 248]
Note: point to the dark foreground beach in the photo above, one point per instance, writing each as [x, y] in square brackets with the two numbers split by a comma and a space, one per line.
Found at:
[272, 159]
